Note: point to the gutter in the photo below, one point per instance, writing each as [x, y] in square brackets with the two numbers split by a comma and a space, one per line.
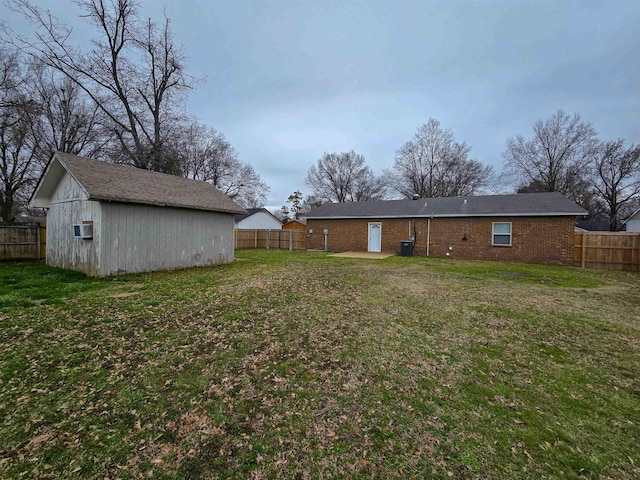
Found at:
[456, 215]
[101, 198]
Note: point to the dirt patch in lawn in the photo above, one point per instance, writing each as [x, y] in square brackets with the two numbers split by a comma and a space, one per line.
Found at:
[123, 294]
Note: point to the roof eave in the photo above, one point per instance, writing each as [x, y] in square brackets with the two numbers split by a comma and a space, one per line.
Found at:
[460, 215]
[164, 204]
[260, 210]
[631, 216]
[35, 200]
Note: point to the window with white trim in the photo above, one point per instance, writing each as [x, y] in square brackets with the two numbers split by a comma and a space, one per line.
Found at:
[502, 234]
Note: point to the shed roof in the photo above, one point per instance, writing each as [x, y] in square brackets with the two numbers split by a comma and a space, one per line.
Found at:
[111, 182]
[301, 221]
[522, 204]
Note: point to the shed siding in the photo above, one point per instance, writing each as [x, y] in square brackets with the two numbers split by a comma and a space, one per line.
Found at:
[68, 189]
[68, 207]
[141, 238]
[534, 239]
[294, 226]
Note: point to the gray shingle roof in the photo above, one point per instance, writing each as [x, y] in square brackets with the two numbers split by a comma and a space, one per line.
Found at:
[121, 183]
[523, 204]
[251, 211]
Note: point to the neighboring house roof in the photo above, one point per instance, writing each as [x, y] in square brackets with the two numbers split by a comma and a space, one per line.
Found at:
[253, 211]
[593, 225]
[31, 219]
[301, 221]
[111, 182]
[523, 204]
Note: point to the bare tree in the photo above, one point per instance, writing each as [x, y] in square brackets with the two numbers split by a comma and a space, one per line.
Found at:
[433, 164]
[584, 194]
[204, 154]
[369, 187]
[617, 179]
[465, 177]
[534, 186]
[134, 73]
[309, 203]
[68, 121]
[343, 177]
[558, 156]
[19, 164]
[254, 197]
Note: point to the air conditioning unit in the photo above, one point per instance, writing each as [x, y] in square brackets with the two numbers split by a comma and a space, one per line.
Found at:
[83, 230]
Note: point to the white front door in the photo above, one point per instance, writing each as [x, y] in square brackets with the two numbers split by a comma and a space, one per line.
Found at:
[375, 236]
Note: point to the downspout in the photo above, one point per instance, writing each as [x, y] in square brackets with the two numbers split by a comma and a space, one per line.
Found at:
[428, 234]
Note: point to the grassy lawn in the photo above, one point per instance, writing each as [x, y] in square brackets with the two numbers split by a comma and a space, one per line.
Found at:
[299, 365]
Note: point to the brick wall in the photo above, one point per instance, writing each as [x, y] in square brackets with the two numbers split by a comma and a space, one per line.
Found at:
[534, 239]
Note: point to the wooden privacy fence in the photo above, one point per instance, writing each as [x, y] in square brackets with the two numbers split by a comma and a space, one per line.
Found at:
[23, 242]
[282, 239]
[612, 250]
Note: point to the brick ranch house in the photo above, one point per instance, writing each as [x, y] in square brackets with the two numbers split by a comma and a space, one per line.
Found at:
[528, 227]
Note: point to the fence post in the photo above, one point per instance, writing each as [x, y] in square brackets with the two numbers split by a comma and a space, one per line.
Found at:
[268, 238]
[42, 229]
[290, 240]
[38, 247]
[584, 248]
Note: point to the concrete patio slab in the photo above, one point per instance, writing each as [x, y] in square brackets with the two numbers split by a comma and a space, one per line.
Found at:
[370, 255]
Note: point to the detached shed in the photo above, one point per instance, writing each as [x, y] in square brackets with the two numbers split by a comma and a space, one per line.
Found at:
[107, 219]
[294, 224]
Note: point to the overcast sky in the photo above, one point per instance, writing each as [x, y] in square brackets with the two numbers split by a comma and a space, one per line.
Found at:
[287, 81]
